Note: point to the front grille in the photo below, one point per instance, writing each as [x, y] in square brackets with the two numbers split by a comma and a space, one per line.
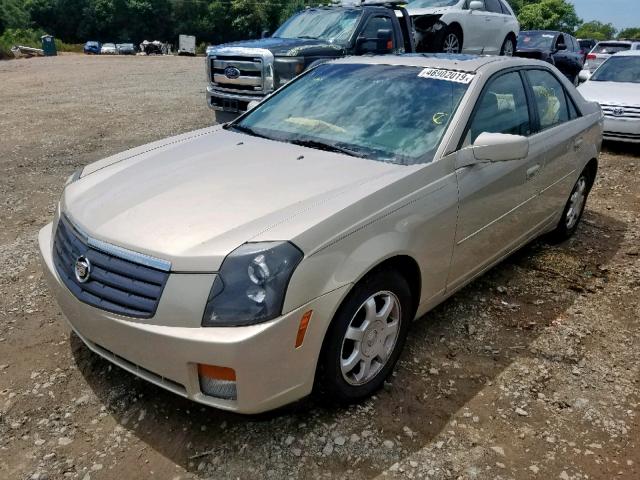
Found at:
[119, 281]
[622, 136]
[621, 111]
[250, 79]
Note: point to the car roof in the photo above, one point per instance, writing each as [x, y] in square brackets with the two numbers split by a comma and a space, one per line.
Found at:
[628, 53]
[458, 62]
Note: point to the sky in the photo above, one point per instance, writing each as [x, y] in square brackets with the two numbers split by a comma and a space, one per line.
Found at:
[622, 13]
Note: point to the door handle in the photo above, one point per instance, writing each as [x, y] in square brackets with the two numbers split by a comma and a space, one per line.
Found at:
[532, 171]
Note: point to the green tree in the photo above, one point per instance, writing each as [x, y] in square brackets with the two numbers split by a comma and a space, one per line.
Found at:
[549, 15]
[630, 33]
[596, 30]
[13, 14]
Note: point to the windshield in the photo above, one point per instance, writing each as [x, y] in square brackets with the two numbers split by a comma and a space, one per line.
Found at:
[91, 44]
[432, 3]
[539, 40]
[334, 25]
[611, 48]
[126, 45]
[619, 69]
[380, 112]
[108, 45]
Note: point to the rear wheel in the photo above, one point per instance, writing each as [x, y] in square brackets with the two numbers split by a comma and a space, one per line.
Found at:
[365, 338]
[508, 47]
[574, 209]
[452, 42]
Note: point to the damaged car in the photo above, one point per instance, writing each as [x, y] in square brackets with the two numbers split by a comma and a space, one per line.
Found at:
[482, 27]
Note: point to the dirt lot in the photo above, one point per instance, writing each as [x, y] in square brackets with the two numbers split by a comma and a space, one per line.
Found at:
[533, 371]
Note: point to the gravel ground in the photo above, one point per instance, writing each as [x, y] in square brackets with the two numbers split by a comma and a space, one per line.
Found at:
[530, 372]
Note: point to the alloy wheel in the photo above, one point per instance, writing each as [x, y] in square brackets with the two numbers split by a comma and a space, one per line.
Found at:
[370, 338]
[451, 44]
[576, 203]
[507, 50]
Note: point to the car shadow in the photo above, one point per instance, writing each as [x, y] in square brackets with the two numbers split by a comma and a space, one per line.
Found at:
[451, 355]
[622, 148]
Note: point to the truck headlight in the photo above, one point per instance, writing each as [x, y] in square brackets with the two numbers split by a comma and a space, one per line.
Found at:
[288, 68]
[251, 284]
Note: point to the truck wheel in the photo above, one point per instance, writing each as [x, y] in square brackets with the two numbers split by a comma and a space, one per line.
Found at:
[365, 338]
[223, 117]
[452, 42]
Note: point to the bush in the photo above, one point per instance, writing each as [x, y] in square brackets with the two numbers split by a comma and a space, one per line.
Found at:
[19, 36]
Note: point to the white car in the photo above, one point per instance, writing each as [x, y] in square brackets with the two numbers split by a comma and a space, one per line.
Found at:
[604, 50]
[616, 87]
[487, 27]
[109, 49]
[245, 264]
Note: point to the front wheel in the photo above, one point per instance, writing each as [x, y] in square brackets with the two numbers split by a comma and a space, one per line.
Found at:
[452, 42]
[508, 47]
[365, 338]
[573, 210]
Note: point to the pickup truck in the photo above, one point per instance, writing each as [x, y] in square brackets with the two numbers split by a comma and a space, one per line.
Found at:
[247, 71]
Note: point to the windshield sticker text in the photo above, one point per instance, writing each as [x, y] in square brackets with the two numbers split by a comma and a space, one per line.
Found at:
[447, 75]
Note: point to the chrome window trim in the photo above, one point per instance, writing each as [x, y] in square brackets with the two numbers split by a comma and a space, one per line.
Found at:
[119, 252]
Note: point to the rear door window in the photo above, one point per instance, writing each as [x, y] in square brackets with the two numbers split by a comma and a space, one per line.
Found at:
[493, 6]
[550, 98]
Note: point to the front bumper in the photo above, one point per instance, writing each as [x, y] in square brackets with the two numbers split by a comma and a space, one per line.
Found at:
[621, 130]
[230, 102]
[270, 371]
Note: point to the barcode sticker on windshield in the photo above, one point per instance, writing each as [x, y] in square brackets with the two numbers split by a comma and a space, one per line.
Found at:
[447, 75]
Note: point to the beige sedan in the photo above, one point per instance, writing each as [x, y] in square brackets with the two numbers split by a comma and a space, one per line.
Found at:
[244, 266]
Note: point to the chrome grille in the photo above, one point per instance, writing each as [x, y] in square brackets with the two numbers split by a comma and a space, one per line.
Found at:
[120, 281]
[621, 111]
[250, 68]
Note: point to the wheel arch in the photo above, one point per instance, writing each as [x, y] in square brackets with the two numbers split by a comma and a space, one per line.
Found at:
[458, 28]
[592, 169]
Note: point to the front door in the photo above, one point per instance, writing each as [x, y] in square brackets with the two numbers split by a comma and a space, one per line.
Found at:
[495, 199]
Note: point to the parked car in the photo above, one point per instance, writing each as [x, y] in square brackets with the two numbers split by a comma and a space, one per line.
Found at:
[109, 49]
[92, 48]
[242, 265]
[455, 26]
[126, 49]
[586, 45]
[557, 48]
[615, 85]
[604, 50]
[243, 72]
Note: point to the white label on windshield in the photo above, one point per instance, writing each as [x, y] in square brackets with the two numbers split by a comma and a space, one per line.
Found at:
[447, 75]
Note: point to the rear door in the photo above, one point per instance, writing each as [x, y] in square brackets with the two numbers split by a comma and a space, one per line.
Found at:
[558, 131]
[476, 26]
[496, 199]
[496, 22]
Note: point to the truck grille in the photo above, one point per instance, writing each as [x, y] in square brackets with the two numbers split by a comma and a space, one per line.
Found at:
[116, 282]
[250, 69]
[621, 111]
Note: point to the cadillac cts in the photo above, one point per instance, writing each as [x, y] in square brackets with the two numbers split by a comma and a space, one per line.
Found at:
[244, 266]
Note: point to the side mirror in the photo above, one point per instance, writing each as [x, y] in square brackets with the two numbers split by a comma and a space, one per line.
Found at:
[383, 43]
[385, 40]
[494, 147]
[584, 76]
[265, 34]
[561, 46]
[476, 5]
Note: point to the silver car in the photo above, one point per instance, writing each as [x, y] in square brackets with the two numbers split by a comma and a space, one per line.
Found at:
[616, 87]
[603, 50]
[243, 266]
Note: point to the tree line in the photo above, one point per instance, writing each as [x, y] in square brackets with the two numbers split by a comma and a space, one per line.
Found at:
[218, 21]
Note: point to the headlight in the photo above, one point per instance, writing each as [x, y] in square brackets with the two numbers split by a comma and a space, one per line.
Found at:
[288, 68]
[74, 177]
[251, 284]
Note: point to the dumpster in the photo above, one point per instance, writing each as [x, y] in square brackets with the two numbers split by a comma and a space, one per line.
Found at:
[49, 45]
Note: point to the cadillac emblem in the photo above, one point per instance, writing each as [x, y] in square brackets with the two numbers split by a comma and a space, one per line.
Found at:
[82, 269]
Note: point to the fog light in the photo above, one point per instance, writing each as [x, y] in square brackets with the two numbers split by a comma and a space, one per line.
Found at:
[219, 382]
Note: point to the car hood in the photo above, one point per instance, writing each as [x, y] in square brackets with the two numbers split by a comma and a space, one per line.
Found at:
[288, 46]
[194, 199]
[611, 93]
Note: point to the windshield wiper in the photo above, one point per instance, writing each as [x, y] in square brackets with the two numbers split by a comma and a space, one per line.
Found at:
[327, 147]
[307, 37]
[244, 129]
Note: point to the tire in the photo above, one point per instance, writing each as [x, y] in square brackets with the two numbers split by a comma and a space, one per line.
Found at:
[573, 210]
[508, 47]
[370, 328]
[452, 41]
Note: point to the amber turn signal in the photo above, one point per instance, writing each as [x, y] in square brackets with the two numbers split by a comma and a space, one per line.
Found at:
[302, 329]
